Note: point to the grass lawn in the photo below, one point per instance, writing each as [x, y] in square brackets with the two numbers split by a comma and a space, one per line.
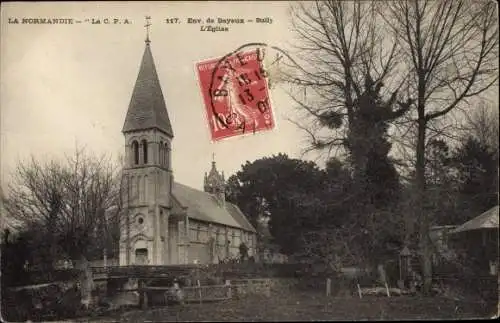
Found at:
[297, 306]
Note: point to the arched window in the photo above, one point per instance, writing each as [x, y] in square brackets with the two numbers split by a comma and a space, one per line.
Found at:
[135, 152]
[160, 153]
[145, 151]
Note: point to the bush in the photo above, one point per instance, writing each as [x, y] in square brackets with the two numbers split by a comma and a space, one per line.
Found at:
[14, 307]
[468, 279]
[55, 301]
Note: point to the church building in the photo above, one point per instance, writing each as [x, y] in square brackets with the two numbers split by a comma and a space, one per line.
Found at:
[166, 222]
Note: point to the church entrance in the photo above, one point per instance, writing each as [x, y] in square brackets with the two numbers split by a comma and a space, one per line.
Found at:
[141, 256]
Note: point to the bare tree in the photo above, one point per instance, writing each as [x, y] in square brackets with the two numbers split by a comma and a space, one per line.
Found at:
[71, 202]
[452, 51]
[342, 52]
[7, 224]
[483, 125]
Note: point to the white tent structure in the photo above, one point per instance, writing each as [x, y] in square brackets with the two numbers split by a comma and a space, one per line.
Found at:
[487, 220]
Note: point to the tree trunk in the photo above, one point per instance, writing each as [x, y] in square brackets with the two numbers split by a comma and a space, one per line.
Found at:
[421, 215]
[86, 281]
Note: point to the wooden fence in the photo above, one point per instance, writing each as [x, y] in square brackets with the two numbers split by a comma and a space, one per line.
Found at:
[251, 286]
[207, 293]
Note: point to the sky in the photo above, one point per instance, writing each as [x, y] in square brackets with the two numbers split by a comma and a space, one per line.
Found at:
[69, 85]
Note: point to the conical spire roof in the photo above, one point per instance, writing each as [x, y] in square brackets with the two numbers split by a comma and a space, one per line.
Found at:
[147, 108]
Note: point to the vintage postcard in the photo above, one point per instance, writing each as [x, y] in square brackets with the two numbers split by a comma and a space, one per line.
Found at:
[248, 160]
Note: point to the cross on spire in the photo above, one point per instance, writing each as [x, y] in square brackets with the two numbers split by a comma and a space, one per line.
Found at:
[148, 23]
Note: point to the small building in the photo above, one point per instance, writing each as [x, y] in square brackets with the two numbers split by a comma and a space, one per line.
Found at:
[165, 222]
[477, 241]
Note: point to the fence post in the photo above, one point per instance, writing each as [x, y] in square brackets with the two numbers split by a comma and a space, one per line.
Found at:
[199, 289]
[359, 291]
[268, 288]
[143, 295]
[228, 284]
[328, 287]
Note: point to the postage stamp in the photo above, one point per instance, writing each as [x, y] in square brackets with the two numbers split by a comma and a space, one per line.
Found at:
[235, 92]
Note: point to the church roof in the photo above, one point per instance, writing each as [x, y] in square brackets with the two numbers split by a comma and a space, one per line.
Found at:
[239, 216]
[204, 206]
[147, 108]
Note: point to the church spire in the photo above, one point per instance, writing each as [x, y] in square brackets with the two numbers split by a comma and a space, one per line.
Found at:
[147, 108]
[215, 182]
[214, 169]
[148, 23]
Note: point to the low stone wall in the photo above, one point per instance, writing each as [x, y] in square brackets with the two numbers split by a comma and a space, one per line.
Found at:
[234, 289]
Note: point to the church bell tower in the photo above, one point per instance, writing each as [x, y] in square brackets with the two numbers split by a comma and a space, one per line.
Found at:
[147, 174]
[215, 184]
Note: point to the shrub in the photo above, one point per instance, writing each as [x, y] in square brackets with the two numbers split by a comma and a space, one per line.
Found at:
[57, 301]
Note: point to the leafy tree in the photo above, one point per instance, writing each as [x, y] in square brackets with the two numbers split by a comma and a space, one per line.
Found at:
[313, 213]
[438, 161]
[461, 183]
[282, 189]
[375, 179]
[346, 64]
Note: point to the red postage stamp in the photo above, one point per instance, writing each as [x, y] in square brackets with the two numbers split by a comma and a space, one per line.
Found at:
[236, 94]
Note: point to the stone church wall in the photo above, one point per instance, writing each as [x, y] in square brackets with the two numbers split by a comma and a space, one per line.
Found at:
[199, 253]
[227, 241]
